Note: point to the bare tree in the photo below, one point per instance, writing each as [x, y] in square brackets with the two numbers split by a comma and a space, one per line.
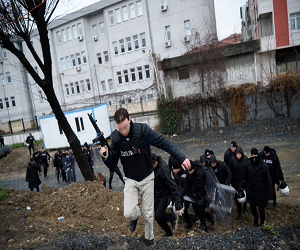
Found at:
[18, 19]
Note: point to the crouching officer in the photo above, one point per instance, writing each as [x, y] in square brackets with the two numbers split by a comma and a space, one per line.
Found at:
[164, 186]
[131, 143]
[44, 161]
[257, 182]
[269, 156]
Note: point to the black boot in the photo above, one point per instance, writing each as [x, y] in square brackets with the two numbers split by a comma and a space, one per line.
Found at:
[256, 222]
[212, 219]
[239, 218]
[132, 225]
[203, 227]
[187, 226]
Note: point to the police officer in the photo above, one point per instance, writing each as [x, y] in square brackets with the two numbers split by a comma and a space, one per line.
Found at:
[68, 165]
[221, 170]
[32, 176]
[230, 153]
[207, 154]
[29, 141]
[58, 165]
[89, 155]
[204, 161]
[164, 186]
[131, 143]
[237, 166]
[195, 181]
[1, 140]
[257, 181]
[44, 161]
[36, 158]
[269, 156]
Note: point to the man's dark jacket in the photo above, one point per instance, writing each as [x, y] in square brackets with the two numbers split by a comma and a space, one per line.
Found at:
[222, 172]
[228, 156]
[32, 176]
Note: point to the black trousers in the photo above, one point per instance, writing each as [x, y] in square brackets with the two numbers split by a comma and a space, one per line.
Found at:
[186, 215]
[91, 163]
[160, 206]
[45, 166]
[274, 192]
[64, 175]
[118, 172]
[31, 147]
[37, 189]
[199, 209]
[261, 213]
[2, 142]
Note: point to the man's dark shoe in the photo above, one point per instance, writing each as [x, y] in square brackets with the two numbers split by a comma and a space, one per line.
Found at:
[213, 219]
[169, 234]
[275, 205]
[239, 218]
[187, 226]
[149, 243]
[174, 222]
[245, 211]
[203, 227]
[132, 225]
[256, 223]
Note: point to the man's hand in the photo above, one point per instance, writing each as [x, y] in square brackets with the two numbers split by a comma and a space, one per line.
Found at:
[104, 150]
[180, 212]
[186, 165]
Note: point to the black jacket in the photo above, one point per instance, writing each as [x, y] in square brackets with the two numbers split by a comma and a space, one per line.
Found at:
[228, 156]
[274, 165]
[57, 161]
[204, 159]
[43, 156]
[164, 184]
[222, 172]
[257, 181]
[237, 168]
[36, 157]
[88, 153]
[32, 176]
[149, 137]
[194, 184]
[30, 140]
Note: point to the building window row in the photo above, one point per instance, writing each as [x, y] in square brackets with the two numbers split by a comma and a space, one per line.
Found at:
[95, 29]
[73, 60]
[110, 85]
[125, 12]
[133, 74]
[129, 43]
[5, 78]
[105, 57]
[295, 21]
[69, 33]
[78, 87]
[7, 103]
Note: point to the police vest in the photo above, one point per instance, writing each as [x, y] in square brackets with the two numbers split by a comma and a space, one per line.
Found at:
[136, 160]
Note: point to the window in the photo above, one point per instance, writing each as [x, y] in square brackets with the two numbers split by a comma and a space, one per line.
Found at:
[77, 87]
[82, 85]
[126, 78]
[187, 28]
[266, 25]
[78, 58]
[183, 74]
[74, 31]
[106, 57]
[63, 65]
[8, 77]
[139, 8]
[4, 53]
[115, 45]
[99, 58]
[129, 100]
[103, 86]
[295, 21]
[168, 33]
[132, 10]
[79, 29]
[2, 78]
[69, 33]
[84, 57]
[95, 30]
[118, 16]
[125, 13]
[73, 60]
[140, 73]
[1, 104]
[147, 70]
[122, 46]
[133, 78]
[128, 40]
[79, 124]
[58, 36]
[110, 84]
[102, 30]
[111, 17]
[6, 102]
[143, 40]
[150, 96]
[88, 84]
[119, 74]
[136, 42]
[72, 88]
[13, 102]
[67, 89]
[64, 35]
[68, 62]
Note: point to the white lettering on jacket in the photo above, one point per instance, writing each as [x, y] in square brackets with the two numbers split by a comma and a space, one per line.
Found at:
[268, 161]
[127, 153]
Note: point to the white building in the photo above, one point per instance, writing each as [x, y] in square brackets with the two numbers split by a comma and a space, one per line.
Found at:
[107, 52]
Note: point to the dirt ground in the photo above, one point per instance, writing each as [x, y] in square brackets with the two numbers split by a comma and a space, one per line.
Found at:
[89, 207]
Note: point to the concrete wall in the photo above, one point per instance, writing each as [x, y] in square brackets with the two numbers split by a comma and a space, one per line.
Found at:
[18, 138]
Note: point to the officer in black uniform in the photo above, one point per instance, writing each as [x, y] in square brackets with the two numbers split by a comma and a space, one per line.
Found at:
[230, 153]
[221, 170]
[131, 143]
[44, 157]
[89, 155]
[207, 154]
[269, 156]
[29, 141]
[1, 140]
[257, 182]
[36, 158]
[58, 165]
[164, 186]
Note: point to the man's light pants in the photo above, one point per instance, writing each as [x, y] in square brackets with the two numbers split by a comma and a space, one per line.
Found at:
[131, 209]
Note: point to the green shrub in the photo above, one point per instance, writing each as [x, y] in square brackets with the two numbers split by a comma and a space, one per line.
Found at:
[2, 193]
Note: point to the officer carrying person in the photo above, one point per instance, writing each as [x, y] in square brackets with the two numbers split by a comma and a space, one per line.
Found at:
[131, 143]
